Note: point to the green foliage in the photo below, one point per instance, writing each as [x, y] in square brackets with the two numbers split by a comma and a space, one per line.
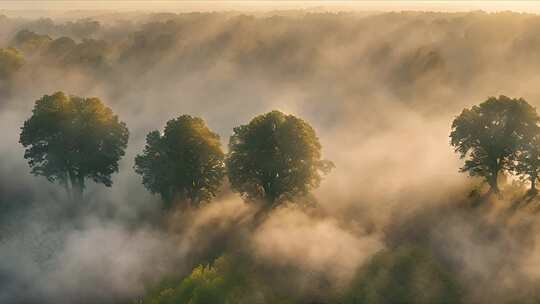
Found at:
[10, 62]
[527, 164]
[403, 275]
[489, 136]
[69, 139]
[406, 274]
[185, 163]
[89, 53]
[61, 47]
[219, 283]
[275, 157]
[204, 285]
[230, 280]
[30, 42]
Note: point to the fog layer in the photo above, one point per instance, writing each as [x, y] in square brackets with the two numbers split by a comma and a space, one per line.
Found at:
[381, 92]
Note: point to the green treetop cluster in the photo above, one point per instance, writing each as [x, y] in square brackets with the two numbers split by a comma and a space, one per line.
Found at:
[274, 158]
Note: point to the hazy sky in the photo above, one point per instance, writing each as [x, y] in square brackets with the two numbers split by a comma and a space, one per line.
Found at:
[520, 6]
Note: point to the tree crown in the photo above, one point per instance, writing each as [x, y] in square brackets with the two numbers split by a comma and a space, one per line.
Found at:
[73, 138]
[185, 162]
[489, 135]
[11, 61]
[274, 157]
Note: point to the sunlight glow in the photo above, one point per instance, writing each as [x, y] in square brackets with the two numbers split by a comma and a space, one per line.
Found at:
[452, 6]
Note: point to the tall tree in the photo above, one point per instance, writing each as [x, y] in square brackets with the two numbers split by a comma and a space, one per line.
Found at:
[70, 139]
[275, 157]
[488, 136]
[184, 164]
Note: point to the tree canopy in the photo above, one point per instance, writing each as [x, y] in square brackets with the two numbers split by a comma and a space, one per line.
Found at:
[223, 282]
[11, 61]
[31, 42]
[231, 278]
[275, 157]
[489, 136]
[70, 139]
[61, 47]
[185, 163]
[527, 164]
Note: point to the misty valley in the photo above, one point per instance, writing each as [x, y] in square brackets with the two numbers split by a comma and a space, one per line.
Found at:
[295, 156]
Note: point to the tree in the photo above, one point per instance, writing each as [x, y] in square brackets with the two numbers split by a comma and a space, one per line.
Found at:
[275, 157]
[70, 139]
[11, 61]
[488, 136]
[61, 47]
[89, 53]
[527, 164]
[230, 278]
[30, 42]
[185, 164]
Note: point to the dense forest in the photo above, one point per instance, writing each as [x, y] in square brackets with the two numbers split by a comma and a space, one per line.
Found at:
[277, 157]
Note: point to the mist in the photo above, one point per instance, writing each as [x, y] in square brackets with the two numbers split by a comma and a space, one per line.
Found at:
[381, 91]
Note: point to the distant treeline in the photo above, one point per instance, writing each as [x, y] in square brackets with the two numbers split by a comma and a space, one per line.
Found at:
[409, 51]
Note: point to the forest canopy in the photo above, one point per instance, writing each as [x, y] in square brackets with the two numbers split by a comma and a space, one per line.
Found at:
[11, 61]
[226, 109]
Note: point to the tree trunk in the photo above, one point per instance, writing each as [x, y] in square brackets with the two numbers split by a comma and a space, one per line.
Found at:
[168, 196]
[533, 185]
[77, 187]
[193, 200]
[74, 187]
[269, 194]
[66, 184]
[78, 191]
[494, 183]
[72, 182]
